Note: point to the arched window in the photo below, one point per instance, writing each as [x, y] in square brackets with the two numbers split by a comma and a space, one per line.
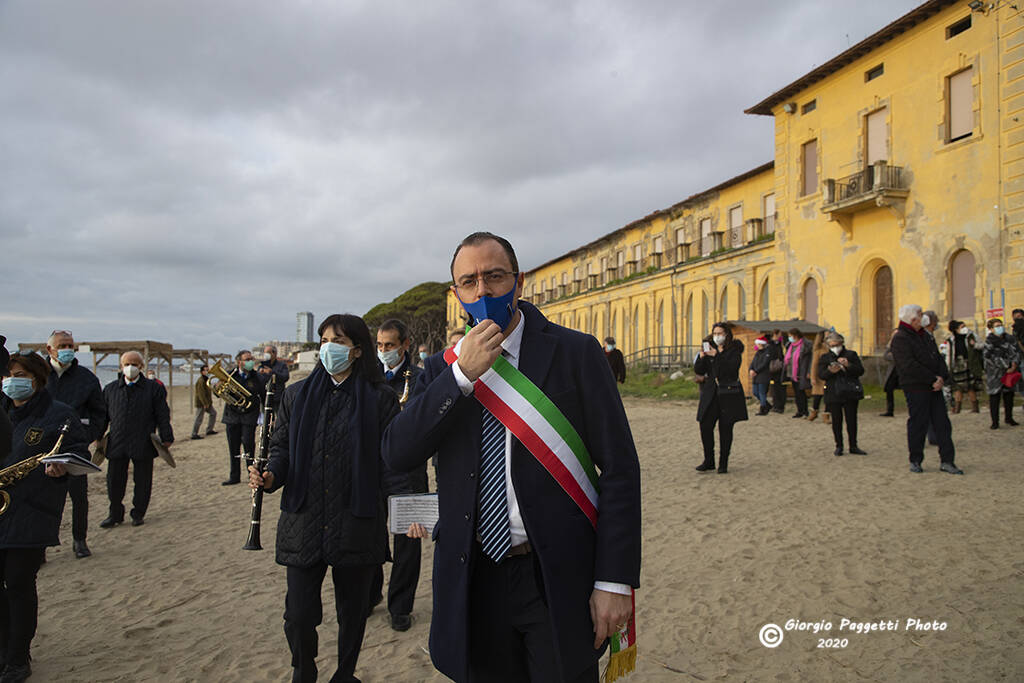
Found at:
[884, 320]
[961, 285]
[705, 324]
[811, 301]
[741, 299]
[660, 324]
[723, 307]
[636, 329]
[689, 320]
[765, 299]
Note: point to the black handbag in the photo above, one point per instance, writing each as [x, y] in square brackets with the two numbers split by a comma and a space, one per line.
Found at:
[730, 389]
[848, 388]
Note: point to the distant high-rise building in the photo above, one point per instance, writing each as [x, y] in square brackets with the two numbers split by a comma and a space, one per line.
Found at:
[304, 326]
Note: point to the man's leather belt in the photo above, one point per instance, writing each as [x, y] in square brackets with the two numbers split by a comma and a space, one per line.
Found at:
[516, 550]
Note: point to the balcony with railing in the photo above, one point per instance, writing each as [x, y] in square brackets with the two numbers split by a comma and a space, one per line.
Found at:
[877, 185]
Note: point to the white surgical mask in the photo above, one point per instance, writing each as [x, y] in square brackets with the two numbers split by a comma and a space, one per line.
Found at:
[962, 331]
[719, 339]
[609, 347]
[836, 349]
[389, 358]
[925, 321]
[131, 372]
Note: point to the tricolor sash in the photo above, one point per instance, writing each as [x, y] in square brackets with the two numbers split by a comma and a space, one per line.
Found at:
[536, 421]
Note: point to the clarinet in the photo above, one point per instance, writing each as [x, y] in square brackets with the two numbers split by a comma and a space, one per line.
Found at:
[260, 461]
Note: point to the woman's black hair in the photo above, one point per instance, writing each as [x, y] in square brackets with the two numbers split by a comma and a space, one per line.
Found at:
[32, 363]
[954, 325]
[728, 331]
[353, 327]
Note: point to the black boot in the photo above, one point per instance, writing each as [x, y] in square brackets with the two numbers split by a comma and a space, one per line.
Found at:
[723, 463]
[707, 465]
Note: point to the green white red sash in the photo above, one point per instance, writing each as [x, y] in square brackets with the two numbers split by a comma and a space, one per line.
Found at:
[536, 421]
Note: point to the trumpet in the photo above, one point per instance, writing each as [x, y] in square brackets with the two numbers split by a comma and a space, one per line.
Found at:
[228, 389]
[19, 470]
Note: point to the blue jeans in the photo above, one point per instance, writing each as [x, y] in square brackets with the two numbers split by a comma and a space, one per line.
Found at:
[761, 394]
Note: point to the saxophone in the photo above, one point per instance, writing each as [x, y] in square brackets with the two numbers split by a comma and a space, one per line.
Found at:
[9, 476]
[405, 392]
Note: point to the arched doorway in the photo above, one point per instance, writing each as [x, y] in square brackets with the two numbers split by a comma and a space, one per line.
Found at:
[765, 311]
[884, 319]
[961, 286]
[811, 301]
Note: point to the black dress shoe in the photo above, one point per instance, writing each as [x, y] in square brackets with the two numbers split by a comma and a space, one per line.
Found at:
[230, 482]
[110, 522]
[994, 425]
[1010, 421]
[211, 431]
[196, 437]
[400, 622]
[81, 549]
[138, 521]
[839, 450]
[705, 466]
[723, 470]
[950, 468]
[916, 468]
[886, 415]
[16, 673]
[856, 451]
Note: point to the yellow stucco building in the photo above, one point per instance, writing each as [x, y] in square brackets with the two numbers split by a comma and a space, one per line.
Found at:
[898, 178]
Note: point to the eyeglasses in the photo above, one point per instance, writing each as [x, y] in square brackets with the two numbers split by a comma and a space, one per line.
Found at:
[492, 278]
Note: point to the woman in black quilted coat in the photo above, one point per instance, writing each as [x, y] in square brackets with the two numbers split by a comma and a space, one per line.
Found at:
[325, 457]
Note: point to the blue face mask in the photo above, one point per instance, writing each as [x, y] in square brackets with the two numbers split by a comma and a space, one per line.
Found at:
[335, 357]
[389, 358]
[65, 356]
[999, 329]
[496, 308]
[423, 355]
[248, 365]
[792, 340]
[18, 388]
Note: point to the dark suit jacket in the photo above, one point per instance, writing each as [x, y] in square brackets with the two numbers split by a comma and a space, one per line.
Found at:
[570, 368]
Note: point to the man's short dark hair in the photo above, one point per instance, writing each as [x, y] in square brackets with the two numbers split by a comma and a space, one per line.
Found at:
[1016, 311]
[609, 340]
[238, 356]
[395, 325]
[478, 238]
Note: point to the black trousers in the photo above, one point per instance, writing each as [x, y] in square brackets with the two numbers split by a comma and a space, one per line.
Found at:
[993, 405]
[778, 393]
[926, 408]
[239, 437]
[800, 396]
[707, 436]
[117, 484]
[510, 636]
[890, 401]
[847, 409]
[816, 402]
[303, 612]
[78, 490]
[19, 602]
[405, 575]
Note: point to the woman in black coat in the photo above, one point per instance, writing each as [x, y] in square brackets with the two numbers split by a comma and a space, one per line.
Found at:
[32, 519]
[841, 369]
[722, 398]
[325, 455]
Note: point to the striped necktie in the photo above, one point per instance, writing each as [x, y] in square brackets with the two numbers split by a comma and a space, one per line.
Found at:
[492, 517]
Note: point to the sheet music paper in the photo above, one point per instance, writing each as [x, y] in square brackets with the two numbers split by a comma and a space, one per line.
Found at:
[73, 463]
[412, 508]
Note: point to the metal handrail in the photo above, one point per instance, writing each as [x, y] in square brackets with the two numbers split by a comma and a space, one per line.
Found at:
[663, 357]
[870, 179]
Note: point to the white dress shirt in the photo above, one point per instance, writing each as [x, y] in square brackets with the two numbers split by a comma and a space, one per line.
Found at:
[510, 347]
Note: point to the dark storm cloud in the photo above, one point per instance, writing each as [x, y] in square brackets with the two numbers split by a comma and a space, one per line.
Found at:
[197, 172]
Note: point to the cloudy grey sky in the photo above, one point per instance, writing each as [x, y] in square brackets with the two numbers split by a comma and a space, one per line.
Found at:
[197, 172]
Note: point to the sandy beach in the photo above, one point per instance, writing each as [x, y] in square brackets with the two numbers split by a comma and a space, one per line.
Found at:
[791, 533]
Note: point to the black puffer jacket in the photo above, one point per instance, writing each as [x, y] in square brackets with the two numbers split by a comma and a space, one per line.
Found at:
[416, 481]
[79, 388]
[133, 413]
[37, 501]
[917, 359]
[324, 528]
[255, 384]
[722, 369]
[762, 359]
[854, 370]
